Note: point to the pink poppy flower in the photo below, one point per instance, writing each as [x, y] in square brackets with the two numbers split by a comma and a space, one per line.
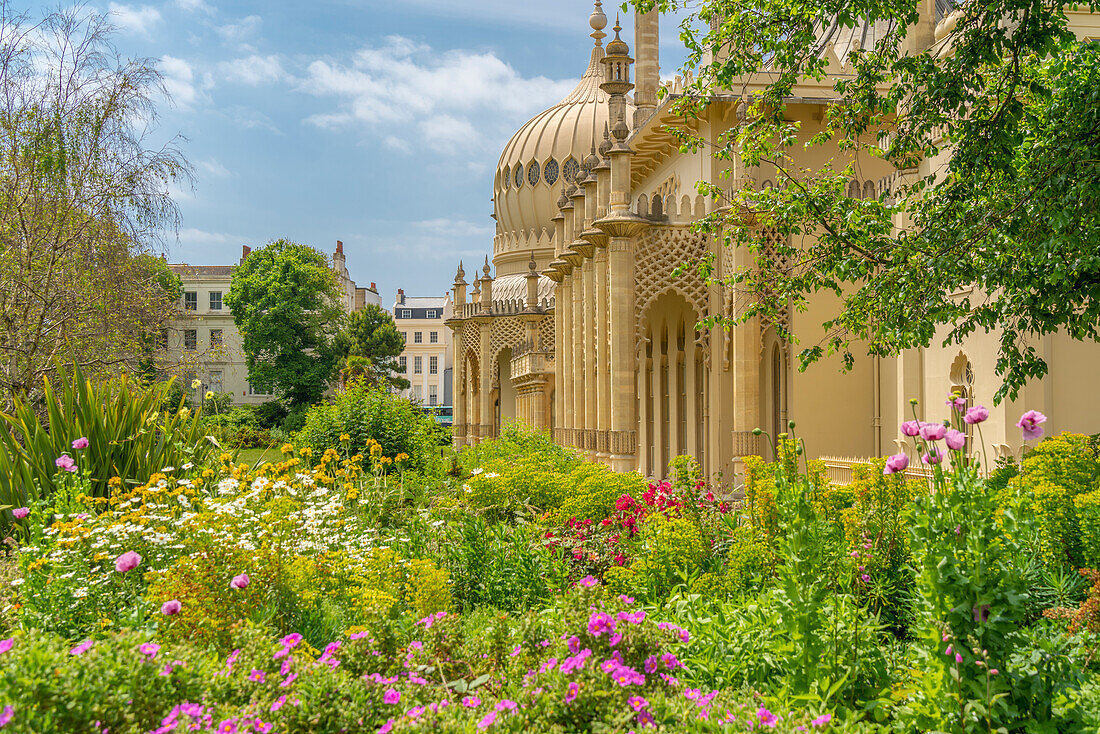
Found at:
[171, 608]
[128, 561]
[80, 444]
[910, 429]
[240, 582]
[20, 512]
[932, 457]
[933, 431]
[956, 440]
[1031, 424]
[896, 463]
[65, 463]
[977, 414]
[149, 649]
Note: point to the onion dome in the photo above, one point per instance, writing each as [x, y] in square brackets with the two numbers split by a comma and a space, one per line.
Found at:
[545, 154]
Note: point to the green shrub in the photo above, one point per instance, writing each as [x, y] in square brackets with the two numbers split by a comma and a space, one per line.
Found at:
[129, 437]
[271, 414]
[362, 412]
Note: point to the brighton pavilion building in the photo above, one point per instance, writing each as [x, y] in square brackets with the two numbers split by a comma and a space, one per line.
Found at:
[579, 326]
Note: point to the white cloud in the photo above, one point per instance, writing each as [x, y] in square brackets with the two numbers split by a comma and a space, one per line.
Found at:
[253, 70]
[200, 237]
[135, 20]
[243, 28]
[214, 167]
[192, 6]
[444, 227]
[251, 119]
[453, 101]
[179, 80]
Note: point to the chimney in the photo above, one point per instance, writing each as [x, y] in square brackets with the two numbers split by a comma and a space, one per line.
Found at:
[339, 247]
[245, 252]
[646, 48]
[373, 287]
[401, 296]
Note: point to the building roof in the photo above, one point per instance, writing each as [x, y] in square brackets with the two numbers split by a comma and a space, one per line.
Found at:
[203, 270]
[422, 302]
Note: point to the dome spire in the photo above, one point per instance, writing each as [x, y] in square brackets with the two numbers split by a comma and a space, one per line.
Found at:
[598, 21]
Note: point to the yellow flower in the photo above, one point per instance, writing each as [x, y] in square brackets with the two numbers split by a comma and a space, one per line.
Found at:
[402, 457]
[209, 395]
[287, 448]
[376, 449]
[196, 384]
[307, 451]
[345, 437]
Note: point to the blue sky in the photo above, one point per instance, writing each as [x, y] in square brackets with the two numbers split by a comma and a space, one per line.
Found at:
[376, 123]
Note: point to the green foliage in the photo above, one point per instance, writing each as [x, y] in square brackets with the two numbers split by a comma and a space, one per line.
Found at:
[285, 303]
[1002, 199]
[129, 437]
[363, 413]
[271, 414]
[371, 334]
[671, 550]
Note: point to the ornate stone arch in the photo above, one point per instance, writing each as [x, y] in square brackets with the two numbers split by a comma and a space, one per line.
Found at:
[659, 251]
[505, 333]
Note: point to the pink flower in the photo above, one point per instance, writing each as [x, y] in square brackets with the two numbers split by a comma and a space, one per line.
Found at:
[866, 578]
[128, 561]
[487, 720]
[391, 697]
[932, 431]
[910, 428]
[958, 658]
[822, 720]
[1031, 424]
[278, 703]
[471, 702]
[65, 463]
[6, 716]
[956, 440]
[637, 703]
[387, 727]
[240, 582]
[20, 512]
[977, 414]
[571, 694]
[767, 718]
[958, 404]
[896, 463]
[82, 648]
[599, 623]
[257, 676]
[588, 581]
[993, 671]
[932, 457]
[149, 649]
[80, 444]
[171, 608]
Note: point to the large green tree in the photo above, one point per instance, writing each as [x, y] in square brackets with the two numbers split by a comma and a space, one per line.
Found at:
[1003, 236]
[84, 197]
[371, 335]
[284, 301]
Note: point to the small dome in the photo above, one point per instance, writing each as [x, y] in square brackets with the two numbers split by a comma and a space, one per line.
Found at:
[565, 134]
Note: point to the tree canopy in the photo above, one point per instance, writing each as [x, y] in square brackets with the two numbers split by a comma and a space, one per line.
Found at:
[371, 335]
[83, 198]
[994, 222]
[284, 301]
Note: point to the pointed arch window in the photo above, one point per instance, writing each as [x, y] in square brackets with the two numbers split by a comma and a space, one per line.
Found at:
[518, 178]
[550, 172]
[534, 173]
[570, 170]
[506, 179]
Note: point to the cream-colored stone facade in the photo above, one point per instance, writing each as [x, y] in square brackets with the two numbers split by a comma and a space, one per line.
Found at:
[427, 354]
[203, 343]
[584, 331]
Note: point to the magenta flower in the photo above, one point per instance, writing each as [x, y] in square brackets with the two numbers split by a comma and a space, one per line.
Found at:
[1031, 424]
[822, 720]
[82, 648]
[65, 463]
[227, 727]
[933, 431]
[956, 440]
[240, 582]
[291, 640]
[128, 561]
[387, 727]
[932, 457]
[6, 645]
[866, 578]
[958, 658]
[896, 463]
[391, 697]
[599, 623]
[289, 680]
[171, 608]
[80, 444]
[257, 676]
[574, 644]
[910, 429]
[767, 718]
[959, 404]
[977, 414]
[149, 649]
[487, 720]
[471, 702]
[588, 582]
[20, 512]
[6, 716]
[505, 704]
[571, 694]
